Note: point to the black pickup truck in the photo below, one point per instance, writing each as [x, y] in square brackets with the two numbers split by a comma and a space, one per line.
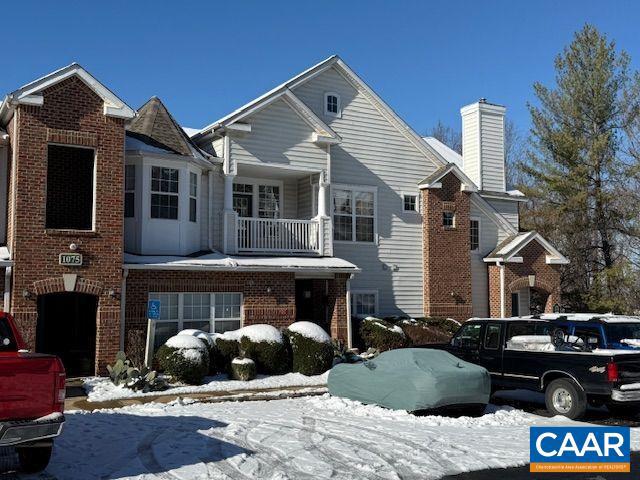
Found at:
[537, 355]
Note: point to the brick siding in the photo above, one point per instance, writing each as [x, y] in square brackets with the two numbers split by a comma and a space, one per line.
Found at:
[72, 114]
[446, 255]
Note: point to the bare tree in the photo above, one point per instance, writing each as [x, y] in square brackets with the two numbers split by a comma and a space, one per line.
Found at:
[447, 135]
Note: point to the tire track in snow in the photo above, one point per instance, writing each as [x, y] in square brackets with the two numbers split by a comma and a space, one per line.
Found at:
[148, 458]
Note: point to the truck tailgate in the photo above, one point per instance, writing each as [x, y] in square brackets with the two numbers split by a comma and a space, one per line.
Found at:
[28, 385]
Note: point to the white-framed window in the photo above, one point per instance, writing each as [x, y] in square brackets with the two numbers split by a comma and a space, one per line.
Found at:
[164, 192]
[332, 104]
[212, 312]
[474, 234]
[129, 191]
[268, 201]
[448, 219]
[193, 197]
[354, 214]
[410, 202]
[364, 303]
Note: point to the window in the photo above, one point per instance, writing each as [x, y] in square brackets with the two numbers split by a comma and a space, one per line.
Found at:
[211, 312]
[448, 219]
[364, 304]
[268, 201]
[354, 215]
[193, 197]
[410, 203]
[590, 336]
[515, 304]
[164, 193]
[492, 337]
[474, 233]
[530, 328]
[468, 337]
[129, 191]
[70, 188]
[332, 104]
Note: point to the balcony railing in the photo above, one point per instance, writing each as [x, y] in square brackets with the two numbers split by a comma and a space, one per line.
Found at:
[267, 235]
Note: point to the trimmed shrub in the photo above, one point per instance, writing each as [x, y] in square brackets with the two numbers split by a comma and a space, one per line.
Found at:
[422, 331]
[223, 352]
[272, 358]
[382, 335]
[311, 349]
[185, 358]
[243, 369]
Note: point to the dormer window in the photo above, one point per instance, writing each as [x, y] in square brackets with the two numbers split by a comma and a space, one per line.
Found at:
[332, 104]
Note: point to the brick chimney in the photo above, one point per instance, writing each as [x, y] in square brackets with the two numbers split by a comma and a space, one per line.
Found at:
[483, 145]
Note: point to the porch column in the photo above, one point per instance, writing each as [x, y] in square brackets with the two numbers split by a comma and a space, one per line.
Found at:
[228, 192]
[322, 194]
[229, 218]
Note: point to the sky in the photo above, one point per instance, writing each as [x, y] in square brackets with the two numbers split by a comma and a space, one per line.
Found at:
[426, 59]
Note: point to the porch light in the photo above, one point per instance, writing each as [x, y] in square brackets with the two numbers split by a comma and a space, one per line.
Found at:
[26, 294]
[532, 280]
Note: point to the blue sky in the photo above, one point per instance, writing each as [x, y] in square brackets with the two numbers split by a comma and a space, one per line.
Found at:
[204, 59]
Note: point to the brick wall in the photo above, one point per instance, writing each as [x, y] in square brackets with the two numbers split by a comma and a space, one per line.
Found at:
[269, 297]
[446, 255]
[71, 115]
[547, 279]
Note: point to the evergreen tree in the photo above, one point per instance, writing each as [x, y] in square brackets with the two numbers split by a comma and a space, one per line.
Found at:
[583, 172]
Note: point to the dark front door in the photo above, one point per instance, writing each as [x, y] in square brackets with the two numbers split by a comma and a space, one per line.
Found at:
[67, 328]
[243, 204]
[304, 300]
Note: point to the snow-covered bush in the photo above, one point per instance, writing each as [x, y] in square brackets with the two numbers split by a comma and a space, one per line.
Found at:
[243, 369]
[222, 352]
[264, 344]
[382, 335]
[185, 358]
[311, 348]
[209, 340]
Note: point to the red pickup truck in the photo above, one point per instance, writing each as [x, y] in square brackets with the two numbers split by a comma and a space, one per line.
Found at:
[32, 393]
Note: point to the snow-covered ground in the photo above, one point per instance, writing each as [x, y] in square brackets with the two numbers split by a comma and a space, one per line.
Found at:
[101, 389]
[303, 438]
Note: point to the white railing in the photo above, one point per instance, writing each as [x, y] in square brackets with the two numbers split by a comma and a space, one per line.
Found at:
[267, 235]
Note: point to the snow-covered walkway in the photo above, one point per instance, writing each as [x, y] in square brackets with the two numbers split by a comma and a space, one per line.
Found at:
[303, 438]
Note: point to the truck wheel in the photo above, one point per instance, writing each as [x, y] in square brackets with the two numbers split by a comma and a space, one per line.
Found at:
[625, 411]
[34, 459]
[564, 397]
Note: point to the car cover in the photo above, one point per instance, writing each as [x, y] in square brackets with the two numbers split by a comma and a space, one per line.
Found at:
[412, 379]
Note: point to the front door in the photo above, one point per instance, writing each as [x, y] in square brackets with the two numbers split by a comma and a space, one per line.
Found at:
[243, 204]
[304, 300]
[67, 328]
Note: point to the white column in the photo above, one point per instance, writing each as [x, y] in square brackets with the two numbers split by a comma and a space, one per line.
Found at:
[228, 192]
[322, 195]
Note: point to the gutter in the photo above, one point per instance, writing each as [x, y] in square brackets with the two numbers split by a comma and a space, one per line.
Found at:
[142, 266]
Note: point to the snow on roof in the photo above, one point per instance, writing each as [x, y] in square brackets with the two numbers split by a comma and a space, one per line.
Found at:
[190, 131]
[219, 261]
[450, 155]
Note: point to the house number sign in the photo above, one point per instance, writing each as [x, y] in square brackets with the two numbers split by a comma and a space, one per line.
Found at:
[70, 259]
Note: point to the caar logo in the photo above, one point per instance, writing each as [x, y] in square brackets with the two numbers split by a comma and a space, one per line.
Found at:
[579, 449]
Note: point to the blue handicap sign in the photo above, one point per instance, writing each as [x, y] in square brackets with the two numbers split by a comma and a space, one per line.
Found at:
[153, 309]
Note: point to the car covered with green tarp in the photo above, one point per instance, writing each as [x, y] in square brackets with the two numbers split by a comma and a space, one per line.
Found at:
[412, 379]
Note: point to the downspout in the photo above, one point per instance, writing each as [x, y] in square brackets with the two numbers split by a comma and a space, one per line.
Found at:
[349, 334]
[123, 304]
[502, 306]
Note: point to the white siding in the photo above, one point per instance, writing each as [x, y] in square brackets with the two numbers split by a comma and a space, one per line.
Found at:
[305, 198]
[489, 238]
[290, 199]
[203, 211]
[374, 153]
[492, 154]
[471, 146]
[278, 136]
[507, 208]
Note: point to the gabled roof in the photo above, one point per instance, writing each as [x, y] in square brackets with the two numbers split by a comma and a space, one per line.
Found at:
[155, 130]
[30, 94]
[506, 250]
[449, 154]
[433, 180]
[353, 79]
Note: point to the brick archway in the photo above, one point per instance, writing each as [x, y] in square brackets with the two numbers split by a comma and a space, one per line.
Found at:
[57, 285]
[523, 282]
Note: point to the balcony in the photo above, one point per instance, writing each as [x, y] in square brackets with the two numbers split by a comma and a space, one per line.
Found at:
[286, 236]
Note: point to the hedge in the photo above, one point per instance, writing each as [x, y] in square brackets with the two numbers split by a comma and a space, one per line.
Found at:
[309, 356]
[382, 335]
[272, 358]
